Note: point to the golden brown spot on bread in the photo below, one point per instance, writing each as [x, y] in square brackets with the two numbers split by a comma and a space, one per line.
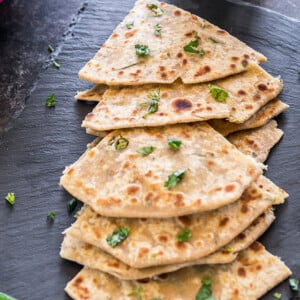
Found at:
[195, 18]
[179, 55]
[202, 71]
[134, 200]
[149, 197]
[149, 173]
[132, 189]
[164, 75]
[241, 272]
[78, 281]
[256, 247]
[249, 141]
[184, 61]
[143, 252]
[246, 56]
[116, 119]
[114, 35]
[211, 163]
[208, 108]
[179, 201]
[241, 236]
[234, 58]
[262, 87]
[223, 222]
[91, 154]
[113, 264]
[251, 171]
[120, 72]
[130, 33]
[180, 246]
[181, 104]
[163, 238]
[96, 232]
[232, 66]
[256, 97]
[258, 267]
[70, 171]
[242, 92]
[229, 188]
[185, 220]
[190, 33]
[244, 208]
[221, 31]
[177, 13]
[89, 191]
[248, 106]
[89, 115]
[162, 68]
[95, 281]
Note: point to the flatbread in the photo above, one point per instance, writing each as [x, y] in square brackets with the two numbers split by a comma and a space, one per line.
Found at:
[260, 118]
[153, 242]
[116, 63]
[93, 94]
[93, 257]
[124, 183]
[257, 142]
[254, 273]
[180, 103]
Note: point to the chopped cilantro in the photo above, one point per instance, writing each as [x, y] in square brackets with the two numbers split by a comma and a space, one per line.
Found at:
[244, 63]
[175, 178]
[128, 66]
[154, 98]
[202, 52]
[294, 284]
[118, 236]
[277, 295]
[51, 215]
[229, 249]
[218, 93]
[56, 64]
[50, 48]
[4, 296]
[136, 293]
[214, 40]
[50, 100]
[130, 25]
[146, 150]
[141, 50]
[184, 236]
[121, 143]
[157, 11]
[205, 292]
[174, 143]
[157, 29]
[10, 197]
[72, 205]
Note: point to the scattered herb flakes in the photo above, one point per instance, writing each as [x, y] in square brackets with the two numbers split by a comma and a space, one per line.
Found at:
[4, 296]
[121, 143]
[168, 54]
[175, 178]
[214, 40]
[229, 249]
[174, 143]
[157, 11]
[277, 295]
[130, 25]
[118, 236]
[56, 64]
[141, 50]
[254, 154]
[244, 63]
[294, 284]
[202, 52]
[51, 215]
[72, 205]
[190, 47]
[50, 101]
[218, 93]
[146, 150]
[10, 198]
[134, 64]
[50, 48]
[154, 98]
[136, 293]
[157, 29]
[184, 236]
[205, 292]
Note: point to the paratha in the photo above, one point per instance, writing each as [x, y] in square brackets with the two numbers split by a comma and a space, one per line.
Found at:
[207, 172]
[136, 55]
[254, 273]
[93, 257]
[257, 142]
[154, 242]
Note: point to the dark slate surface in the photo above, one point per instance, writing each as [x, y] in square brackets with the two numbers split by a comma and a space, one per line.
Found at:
[42, 141]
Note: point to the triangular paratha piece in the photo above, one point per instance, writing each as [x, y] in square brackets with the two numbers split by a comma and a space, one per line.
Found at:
[254, 273]
[138, 52]
[205, 173]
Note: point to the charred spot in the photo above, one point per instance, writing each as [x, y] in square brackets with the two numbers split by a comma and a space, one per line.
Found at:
[185, 220]
[202, 71]
[223, 222]
[131, 33]
[184, 61]
[163, 238]
[256, 246]
[189, 34]
[143, 281]
[221, 31]
[114, 35]
[256, 97]
[180, 246]
[164, 95]
[162, 68]
[132, 189]
[138, 71]
[233, 109]
[234, 58]
[120, 72]
[244, 208]
[177, 13]
[242, 93]
[232, 66]
[163, 276]
[241, 272]
[250, 142]
[182, 104]
[249, 106]
[246, 56]
[179, 55]
[143, 252]
[78, 281]
[164, 75]
[241, 236]
[113, 264]
[262, 87]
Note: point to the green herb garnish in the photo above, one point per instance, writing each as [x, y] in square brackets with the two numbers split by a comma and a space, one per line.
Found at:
[184, 236]
[136, 292]
[244, 63]
[294, 284]
[157, 11]
[154, 98]
[141, 50]
[4, 296]
[51, 215]
[175, 178]
[121, 143]
[10, 197]
[146, 150]
[174, 143]
[50, 48]
[157, 29]
[128, 66]
[130, 25]
[72, 205]
[205, 292]
[218, 93]
[190, 47]
[277, 295]
[229, 249]
[56, 64]
[214, 40]
[118, 236]
[50, 100]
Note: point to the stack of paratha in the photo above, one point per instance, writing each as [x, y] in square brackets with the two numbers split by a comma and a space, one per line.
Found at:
[173, 187]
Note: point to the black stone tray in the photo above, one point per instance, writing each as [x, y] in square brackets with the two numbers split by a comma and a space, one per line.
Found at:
[42, 141]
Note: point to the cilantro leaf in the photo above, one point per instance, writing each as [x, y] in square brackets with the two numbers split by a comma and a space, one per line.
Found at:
[154, 99]
[136, 292]
[10, 197]
[146, 150]
[277, 295]
[184, 236]
[141, 50]
[4, 296]
[214, 40]
[190, 47]
[229, 249]
[121, 143]
[158, 29]
[294, 284]
[72, 205]
[50, 101]
[218, 93]
[51, 215]
[130, 25]
[50, 48]
[175, 178]
[174, 143]
[118, 236]
[157, 11]
[205, 292]
[56, 64]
